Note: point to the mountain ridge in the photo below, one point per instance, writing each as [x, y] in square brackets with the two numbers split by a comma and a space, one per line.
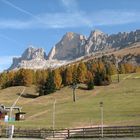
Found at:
[73, 46]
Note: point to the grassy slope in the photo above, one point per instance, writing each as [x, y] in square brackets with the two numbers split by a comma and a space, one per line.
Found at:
[121, 105]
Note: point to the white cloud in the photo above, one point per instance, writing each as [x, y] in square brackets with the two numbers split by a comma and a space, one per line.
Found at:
[55, 20]
[70, 5]
[15, 24]
[64, 20]
[111, 17]
[18, 8]
[74, 19]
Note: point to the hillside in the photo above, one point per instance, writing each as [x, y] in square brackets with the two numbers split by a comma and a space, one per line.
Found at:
[121, 104]
[132, 50]
[34, 58]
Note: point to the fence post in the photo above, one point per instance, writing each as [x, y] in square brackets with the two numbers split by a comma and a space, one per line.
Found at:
[83, 132]
[98, 131]
[68, 133]
[53, 134]
[133, 131]
[116, 131]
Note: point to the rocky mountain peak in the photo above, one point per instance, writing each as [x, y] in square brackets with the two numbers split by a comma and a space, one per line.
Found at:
[34, 58]
[69, 47]
[96, 32]
[72, 46]
[33, 53]
[69, 35]
[96, 41]
[31, 58]
[72, 36]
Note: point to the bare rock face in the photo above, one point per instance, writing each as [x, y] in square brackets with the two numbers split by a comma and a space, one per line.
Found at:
[122, 40]
[33, 53]
[31, 58]
[70, 47]
[96, 42]
[99, 41]
[34, 58]
[74, 45]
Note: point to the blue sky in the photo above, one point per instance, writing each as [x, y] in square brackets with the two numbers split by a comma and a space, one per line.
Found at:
[42, 23]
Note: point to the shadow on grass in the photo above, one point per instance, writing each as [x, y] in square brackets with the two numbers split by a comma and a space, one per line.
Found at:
[27, 95]
[82, 88]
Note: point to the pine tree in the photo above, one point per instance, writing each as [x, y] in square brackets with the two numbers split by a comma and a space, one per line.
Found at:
[68, 75]
[81, 72]
[129, 68]
[94, 67]
[48, 86]
[111, 69]
[89, 76]
[98, 79]
[100, 66]
[10, 78]
[38, 77]
[23, 77]
[3, 80]
[89, 80]
[74, 74]
[122, 69]
[90, 85]
[57, 79]
[63, 75]
[101, 78]
[27, 77]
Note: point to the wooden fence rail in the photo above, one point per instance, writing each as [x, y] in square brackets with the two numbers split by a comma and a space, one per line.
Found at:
[93, 132]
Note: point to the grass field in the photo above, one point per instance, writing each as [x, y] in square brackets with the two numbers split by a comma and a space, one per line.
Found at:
[121, 104]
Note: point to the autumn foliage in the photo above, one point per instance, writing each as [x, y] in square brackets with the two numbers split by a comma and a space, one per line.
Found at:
[92, 72]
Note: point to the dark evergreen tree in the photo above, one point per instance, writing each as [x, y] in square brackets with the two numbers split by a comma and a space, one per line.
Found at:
[98, 79]
[90, 85]
[48, 86]
[75, 75]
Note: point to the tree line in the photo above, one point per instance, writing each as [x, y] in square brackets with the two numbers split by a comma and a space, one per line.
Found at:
[93, 72]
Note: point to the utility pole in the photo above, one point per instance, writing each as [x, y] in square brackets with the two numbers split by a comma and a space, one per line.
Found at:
[74, 96]
[74, 86]
[118, 75]
[117, 66]
[101, 106]
[54, 116]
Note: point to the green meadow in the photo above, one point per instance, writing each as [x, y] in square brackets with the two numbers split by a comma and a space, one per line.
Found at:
[121, 104]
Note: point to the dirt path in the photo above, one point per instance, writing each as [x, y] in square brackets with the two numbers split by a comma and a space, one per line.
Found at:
[128, 76]
[37, 114]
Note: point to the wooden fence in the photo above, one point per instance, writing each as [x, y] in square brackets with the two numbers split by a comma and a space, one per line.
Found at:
[115, 131]
[93, 132]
